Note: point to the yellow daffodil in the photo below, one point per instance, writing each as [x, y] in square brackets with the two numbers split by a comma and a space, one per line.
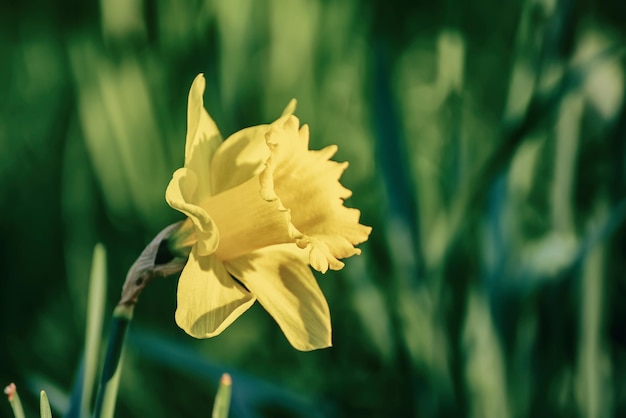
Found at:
[261, 208]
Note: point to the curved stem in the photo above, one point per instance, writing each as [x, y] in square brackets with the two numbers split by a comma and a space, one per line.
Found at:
[154, 261]
[122, 316]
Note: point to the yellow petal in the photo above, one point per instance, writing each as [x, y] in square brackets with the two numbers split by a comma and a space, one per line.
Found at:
[239, 158]
[181, 194]
[307, 183]
[290, 108]
[243, 155]
[209, 300]
[203, 137]
[281, 280]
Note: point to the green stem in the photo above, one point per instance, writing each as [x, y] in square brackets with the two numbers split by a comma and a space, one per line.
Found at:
[122, 316]
[155, 261]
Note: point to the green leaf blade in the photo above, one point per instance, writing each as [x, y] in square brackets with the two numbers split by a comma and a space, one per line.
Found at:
[222, 398]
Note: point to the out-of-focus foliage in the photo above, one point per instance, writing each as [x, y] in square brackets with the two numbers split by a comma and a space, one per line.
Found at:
[486, 143]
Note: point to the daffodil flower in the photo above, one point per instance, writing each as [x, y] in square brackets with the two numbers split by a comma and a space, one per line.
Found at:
[261, 208]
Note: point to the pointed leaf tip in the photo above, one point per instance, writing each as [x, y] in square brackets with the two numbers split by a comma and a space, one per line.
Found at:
[222, 398]
[14, 400]
[44, 406]
[10, 391]
[226, 380]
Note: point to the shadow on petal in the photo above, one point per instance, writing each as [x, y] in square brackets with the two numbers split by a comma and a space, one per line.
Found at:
[209, 300]
[281, 280]
[206, 326]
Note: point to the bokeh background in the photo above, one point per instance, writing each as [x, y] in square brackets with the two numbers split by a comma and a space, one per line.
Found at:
[486, 142]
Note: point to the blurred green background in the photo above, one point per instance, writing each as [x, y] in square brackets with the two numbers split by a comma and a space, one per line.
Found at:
[487, 146]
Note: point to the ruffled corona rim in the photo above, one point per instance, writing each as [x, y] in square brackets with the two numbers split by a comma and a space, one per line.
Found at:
[306, 186]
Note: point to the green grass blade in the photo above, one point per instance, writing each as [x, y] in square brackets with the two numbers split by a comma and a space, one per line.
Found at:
[110, 396]
[44, 406]
[93, 331]
[222, 399]
[14, 400]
